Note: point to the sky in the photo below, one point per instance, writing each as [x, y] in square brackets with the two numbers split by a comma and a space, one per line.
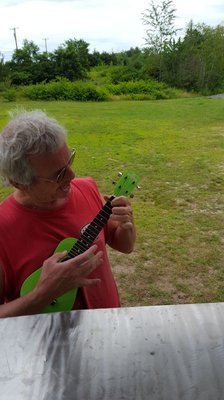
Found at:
[107, 25]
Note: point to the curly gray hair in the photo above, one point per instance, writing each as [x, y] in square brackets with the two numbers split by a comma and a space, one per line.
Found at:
[29, 132]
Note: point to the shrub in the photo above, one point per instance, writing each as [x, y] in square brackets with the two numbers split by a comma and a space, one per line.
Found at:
[142, 89]
[123, 74]
[9, 94]
[63, 89]
[5, 85]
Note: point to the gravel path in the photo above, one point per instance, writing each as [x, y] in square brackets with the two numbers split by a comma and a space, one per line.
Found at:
[217, 96]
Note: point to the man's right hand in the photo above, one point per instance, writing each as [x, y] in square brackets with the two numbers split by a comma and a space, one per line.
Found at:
[56, 279]
[59, 277]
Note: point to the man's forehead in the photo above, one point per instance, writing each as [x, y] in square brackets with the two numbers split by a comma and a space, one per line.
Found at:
[59, 152]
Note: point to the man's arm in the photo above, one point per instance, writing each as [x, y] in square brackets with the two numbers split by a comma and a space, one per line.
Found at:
[56, 279]
[121, 232]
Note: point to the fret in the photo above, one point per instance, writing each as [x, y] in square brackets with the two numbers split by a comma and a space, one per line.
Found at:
[92, 231]
[101, 218]
[88, 235]
[75, 252]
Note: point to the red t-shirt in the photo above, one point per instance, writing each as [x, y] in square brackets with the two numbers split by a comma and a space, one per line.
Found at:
[28, 237]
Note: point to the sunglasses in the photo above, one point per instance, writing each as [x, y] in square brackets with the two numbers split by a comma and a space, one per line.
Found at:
[59, 178]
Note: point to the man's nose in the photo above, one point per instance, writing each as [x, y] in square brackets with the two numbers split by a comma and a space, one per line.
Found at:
[69, 173]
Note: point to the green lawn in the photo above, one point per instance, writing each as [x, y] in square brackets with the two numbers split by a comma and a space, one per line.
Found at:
[177, 147]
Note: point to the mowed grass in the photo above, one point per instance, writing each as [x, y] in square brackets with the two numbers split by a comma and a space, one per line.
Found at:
[177, 148]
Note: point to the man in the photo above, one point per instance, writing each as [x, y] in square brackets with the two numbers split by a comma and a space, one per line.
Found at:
[48, 205]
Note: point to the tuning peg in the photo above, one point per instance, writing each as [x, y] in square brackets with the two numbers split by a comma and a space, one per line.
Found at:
[131, 195]
[138, 187]
[120, 174]
[114, 183]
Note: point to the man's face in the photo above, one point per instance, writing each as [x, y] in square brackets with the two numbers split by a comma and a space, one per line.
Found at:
[45, 189]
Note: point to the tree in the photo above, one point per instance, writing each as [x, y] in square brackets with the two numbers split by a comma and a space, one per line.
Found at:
[27, 54]
[2, 68]
[201, 59]
[197, 62]
[160, 22]
[72, 59]
[94, 58]
[21, 65]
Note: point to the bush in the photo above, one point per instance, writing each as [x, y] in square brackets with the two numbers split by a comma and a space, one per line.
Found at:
[21, 78]
[63, 89]
[123, 74]
[5, 84]
[9, 94]
[142, 89]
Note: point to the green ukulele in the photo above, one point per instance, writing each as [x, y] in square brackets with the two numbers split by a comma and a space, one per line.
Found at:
[124, 187]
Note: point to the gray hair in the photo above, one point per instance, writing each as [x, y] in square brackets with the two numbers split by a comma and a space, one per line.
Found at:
[29, 132]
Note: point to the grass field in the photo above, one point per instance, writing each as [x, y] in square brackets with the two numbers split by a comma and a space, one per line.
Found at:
[177, 147]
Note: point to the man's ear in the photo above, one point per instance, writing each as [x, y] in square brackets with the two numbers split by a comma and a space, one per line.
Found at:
[17, 185]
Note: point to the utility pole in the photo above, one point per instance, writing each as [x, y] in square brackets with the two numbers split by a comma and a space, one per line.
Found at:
[14, 34]
[1, 58]
[45, 40]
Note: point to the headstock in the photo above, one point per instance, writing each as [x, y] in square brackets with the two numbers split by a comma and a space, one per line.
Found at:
[127, 182]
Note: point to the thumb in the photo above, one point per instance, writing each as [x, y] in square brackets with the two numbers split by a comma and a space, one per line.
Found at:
[106, 197]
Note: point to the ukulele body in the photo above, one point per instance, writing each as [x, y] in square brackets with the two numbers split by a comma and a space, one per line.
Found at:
[62, 303]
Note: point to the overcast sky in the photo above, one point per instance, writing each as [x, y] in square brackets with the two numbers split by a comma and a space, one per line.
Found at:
[107, 25]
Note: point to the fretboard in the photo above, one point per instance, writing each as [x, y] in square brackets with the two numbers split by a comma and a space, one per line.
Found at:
[92, 231]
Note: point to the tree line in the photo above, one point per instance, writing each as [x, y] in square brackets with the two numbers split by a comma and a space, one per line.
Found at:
[193, 62]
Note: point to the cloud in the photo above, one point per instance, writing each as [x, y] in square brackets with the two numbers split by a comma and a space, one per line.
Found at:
[105, 24]
[81, 3]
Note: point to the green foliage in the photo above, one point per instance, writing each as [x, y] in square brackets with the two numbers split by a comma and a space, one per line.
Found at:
[21, 65]
[5, 84]
[138, 90]
[28, 65]
[124, 74]
[194, 63]
[98, 89]
[197, 63]
[63, 89]
[104, 58]
[102, 75]
[159, 19]
[21, 77]
[10, 94]
[27, 54]
[72, 60]
[3, 70]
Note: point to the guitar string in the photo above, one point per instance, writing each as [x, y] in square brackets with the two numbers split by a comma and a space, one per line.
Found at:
[89, 235]
[86, 241]
[91, 232]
